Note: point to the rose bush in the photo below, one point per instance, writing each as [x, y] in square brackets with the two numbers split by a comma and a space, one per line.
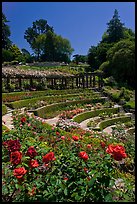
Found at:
[50, 166]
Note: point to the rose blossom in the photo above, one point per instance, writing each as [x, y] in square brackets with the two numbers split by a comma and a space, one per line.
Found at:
[83, 155]
[75, 138]
[33, 164]
[19, 172]
[116, 151]
[23, 119]
[31, 152]
[13, 145]
[15, 157]
[63, 137]
[48, 157]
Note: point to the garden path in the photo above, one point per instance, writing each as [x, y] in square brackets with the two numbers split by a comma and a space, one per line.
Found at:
[7, 121]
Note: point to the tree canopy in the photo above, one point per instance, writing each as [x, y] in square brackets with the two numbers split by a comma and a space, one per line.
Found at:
[47, 45]
[115, 53]
[6, 42]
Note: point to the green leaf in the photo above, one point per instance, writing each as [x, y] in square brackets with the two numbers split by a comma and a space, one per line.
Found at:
[65, 191]
[92, 181]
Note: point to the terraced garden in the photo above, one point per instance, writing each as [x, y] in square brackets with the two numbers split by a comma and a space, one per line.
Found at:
[59, 148]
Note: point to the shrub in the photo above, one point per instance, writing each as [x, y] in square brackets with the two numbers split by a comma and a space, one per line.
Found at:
[83, 116]
[112, 121]
[4, 109]
[129, 105]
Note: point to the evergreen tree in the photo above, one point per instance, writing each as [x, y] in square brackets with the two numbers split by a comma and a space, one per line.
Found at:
[115, 29]
[6, 42]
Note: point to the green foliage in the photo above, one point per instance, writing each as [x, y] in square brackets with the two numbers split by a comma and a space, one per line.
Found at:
[15, 51]
[46, 44]
[6, 42]
[54, 109]
[4, 109]
[45, 100]
[68, 178]
[105, 67]
[122, 61]
[113, 121]
[115, 29]
[15, 96]
[83, 116]
[7, 56]
[129, 105]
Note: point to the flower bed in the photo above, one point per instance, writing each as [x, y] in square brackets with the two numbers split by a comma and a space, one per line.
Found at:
[45, 100]
[55, 109]
[41, 163]
[15, 96]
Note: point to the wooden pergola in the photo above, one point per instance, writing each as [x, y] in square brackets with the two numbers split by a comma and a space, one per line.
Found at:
[52, 79]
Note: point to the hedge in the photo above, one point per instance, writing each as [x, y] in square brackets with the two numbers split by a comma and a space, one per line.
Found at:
[48, 99]
[15, 96]
[4, 109]
[86, 115]
[129, 105]
[55, 108]
[113, 121]
[131, 130]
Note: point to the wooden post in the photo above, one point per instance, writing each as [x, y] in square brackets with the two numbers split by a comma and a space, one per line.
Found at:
[20, 83]
[94, 81]
[52, 83]
[86, 80]
[90, 80]
[31, 83]
[72, 82]
[8, 83]
[76, 81]
[83, 82]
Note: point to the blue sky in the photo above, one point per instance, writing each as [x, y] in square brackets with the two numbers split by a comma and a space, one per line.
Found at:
[82, 23]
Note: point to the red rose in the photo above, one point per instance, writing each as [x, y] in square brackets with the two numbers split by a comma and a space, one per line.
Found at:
[65, 178]
[63, 137]
[31, 152]
[33, 164]
[117, 152]
[19, 172]
[57, 133]
[48, 157]
[13, 145]
[75, 138]
[110, 148]
[15, 157]
[83, 155]
[23, 119]
[102, 144]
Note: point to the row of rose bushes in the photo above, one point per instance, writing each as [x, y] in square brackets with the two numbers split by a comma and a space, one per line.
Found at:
[15, 96]
[53, 110]
[42, 163]
[45, 100]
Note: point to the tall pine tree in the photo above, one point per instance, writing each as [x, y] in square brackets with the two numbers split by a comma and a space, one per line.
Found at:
[6, 42]
[115, 29]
